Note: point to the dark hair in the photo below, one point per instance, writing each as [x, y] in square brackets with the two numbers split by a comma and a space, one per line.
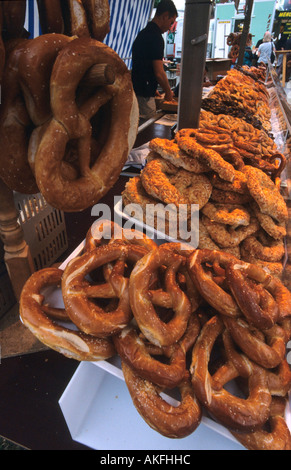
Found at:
[166, 6]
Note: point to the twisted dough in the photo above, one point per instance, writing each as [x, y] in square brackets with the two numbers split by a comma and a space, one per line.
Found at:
[71, 123]
[71, 343]
[162, 180]
[170, 421]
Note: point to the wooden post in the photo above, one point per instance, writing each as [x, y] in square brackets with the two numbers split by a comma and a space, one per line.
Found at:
[17, 255]
[245, 31]
[194, 48]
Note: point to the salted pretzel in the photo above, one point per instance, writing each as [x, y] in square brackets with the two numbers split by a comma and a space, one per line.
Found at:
[133, 351]
[26, 105]
[89, 18]
[276, 436]
[236, 413]
[199, 264]
[51, 16]
[266, 348]
[13, 19]
[81, 296]
[104, 231]
[170, 421]
[270, 283]
[36, 316]
[256, 302]
[71, 123]
[154, 328]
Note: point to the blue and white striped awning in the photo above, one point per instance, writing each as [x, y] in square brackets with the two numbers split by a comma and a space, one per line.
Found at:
[127, 18]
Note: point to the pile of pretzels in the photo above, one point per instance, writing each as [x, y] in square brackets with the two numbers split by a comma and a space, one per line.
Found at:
[180, 320]
[247, 93]
[69, 114]
[229, 169]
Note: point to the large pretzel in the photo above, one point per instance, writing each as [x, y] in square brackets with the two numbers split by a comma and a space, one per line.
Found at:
[236, 413]
[36, 316]
[170, 421]
[133, 352]
[276, 436]
[26, 105]
[152, 326]
[71, 123]
[199, 264]
[265, 301]
[81, 296]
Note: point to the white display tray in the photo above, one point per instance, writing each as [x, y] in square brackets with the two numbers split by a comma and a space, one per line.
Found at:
[100, 414]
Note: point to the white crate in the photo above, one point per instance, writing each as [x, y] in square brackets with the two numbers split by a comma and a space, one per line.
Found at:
[44, 229]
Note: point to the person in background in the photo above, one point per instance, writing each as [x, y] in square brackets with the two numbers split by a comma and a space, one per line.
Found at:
[147, 59]
[248, 55]
[265, 49]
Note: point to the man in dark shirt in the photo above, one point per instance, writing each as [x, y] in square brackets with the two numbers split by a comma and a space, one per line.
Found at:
[147, 59]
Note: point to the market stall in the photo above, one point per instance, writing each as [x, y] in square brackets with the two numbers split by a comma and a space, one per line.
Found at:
[195, 297]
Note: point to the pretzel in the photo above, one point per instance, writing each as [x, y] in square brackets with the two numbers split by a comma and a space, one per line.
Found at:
[78, 292]
[229, 197]
[72, 123]
[255, 301]
[267, 350]
[13, 19]
[170, 151]
[276, 438]
[154, 329]
[133, 352]
[264, 248]
[163, 181]
[227, 214]
[98, 17]
[185, 139]
[198, 264]
[50, 16]
[274, 229]
[227, 236]
[266, 194]
[170, 421]
[104, 231]
[26, 105]
[69, 342]
[236, 413]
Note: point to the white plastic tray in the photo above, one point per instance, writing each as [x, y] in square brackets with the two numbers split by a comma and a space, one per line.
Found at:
[96, 404]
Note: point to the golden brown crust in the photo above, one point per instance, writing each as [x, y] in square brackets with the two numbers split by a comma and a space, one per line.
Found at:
[69, 123]
[168, 420]
[163, 181]
[69, 342]
[266, 194]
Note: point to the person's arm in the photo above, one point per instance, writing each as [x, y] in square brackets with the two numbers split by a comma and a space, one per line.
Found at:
[162, 79]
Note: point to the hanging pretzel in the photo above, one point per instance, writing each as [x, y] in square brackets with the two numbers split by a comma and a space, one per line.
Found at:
[35, 315]
[26, 105]
[71, 123]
